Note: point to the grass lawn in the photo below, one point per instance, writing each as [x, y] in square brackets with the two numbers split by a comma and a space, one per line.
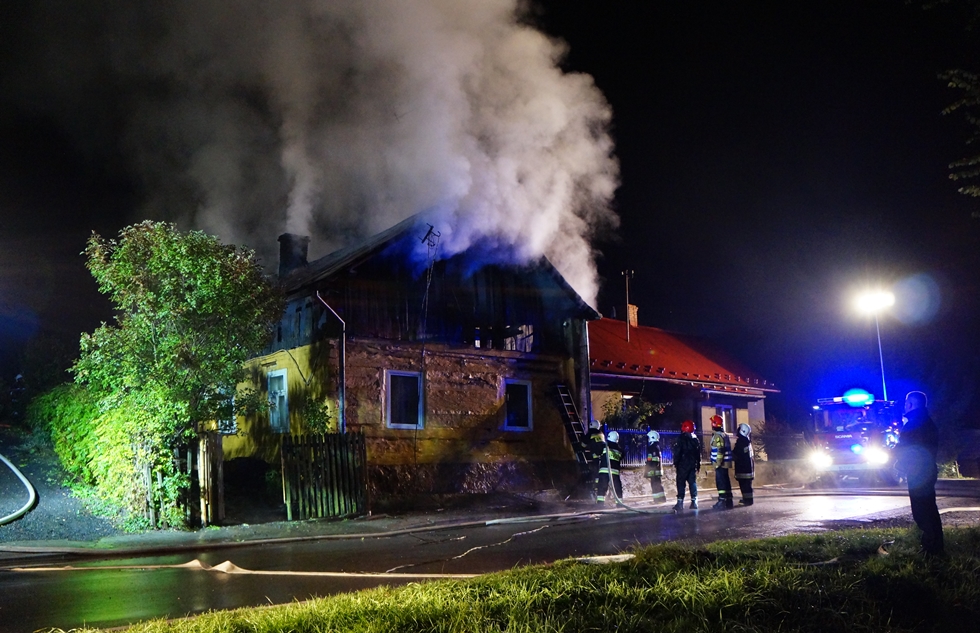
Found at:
[856, 580]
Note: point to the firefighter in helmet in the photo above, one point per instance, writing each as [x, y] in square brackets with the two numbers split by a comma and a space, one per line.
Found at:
[744, 463]
[687, 463]
[595, 442]
[609, 469]
[652, 469]
[721, 459]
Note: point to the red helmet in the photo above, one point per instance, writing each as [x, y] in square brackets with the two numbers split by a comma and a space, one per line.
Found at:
[717, 423]
[687, 426]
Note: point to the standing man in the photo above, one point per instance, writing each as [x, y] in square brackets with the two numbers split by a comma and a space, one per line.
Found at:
[652, 469]
[744, 463]
[609, 469]
[721, 459]
[917, 445]
[595, 443]
[687, 463]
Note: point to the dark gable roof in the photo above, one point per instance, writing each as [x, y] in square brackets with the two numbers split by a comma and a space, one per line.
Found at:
[652, 353]
[305, 279]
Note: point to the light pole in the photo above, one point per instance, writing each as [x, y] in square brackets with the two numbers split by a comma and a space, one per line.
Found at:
[872, 303]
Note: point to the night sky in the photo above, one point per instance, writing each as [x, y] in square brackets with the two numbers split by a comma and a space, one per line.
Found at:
[775, 157]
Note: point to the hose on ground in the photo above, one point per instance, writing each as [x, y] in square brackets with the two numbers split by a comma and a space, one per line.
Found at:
[31, 494]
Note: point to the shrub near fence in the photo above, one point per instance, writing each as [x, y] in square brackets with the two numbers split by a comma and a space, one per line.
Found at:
[324, 475]
[633, 443]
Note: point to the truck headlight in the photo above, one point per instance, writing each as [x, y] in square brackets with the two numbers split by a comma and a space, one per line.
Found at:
[821, 460]
[876, 456]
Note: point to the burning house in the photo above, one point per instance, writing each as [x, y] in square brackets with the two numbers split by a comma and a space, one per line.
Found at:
[446, 366]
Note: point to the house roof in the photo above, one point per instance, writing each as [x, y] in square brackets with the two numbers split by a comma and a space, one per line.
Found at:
[306, 277]
[655, 354]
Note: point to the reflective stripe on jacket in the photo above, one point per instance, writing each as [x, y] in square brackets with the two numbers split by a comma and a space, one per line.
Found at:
[653, 467]
[744, 459]
[721, 450]
[614, 453]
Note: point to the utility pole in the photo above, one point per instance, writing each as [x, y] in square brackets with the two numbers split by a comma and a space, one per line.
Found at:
[628, 274]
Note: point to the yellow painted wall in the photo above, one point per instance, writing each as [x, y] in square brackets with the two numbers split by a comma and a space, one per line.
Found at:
[310, 373]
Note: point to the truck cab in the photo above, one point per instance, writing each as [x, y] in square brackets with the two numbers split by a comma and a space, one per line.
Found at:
[853, 437]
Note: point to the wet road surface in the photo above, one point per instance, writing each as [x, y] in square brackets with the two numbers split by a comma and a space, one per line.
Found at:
[99, 596]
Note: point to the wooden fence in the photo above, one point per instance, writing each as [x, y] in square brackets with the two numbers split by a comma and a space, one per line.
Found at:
[324, 475]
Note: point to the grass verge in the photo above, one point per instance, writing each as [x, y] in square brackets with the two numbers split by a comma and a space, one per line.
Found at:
[855, 580]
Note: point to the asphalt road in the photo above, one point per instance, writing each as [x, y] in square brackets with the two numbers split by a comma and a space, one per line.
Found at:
[117, 592]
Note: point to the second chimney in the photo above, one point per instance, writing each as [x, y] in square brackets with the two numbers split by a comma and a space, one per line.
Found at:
[293, 250]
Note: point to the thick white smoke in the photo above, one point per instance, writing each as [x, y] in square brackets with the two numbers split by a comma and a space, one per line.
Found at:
[338, 118]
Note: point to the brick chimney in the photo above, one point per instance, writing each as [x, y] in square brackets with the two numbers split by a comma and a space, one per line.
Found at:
[292, 252]
[630, 313]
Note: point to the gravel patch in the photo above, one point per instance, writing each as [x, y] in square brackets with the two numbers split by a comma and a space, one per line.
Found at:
[57, 515]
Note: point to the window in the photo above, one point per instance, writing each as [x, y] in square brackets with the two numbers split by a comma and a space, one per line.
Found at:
[403, 390]
[229, 425]
[727, 414]
[517, 405]
[278, 402]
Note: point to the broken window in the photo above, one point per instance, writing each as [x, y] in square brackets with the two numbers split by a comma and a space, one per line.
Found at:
[278, 401]
[517, 405]
[403, 394]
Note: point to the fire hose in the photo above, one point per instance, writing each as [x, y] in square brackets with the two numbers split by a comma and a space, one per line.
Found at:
[31, 494]
[619, 500]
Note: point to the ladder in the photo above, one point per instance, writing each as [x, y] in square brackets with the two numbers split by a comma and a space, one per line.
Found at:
[575, 429]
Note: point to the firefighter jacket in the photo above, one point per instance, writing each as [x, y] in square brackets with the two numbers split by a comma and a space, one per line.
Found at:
[594, 445]
[721, 450]
[614, 454]
[687, 452]
[652, 467]
[744, 458]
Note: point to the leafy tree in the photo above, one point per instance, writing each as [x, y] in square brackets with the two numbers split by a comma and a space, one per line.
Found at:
[969, 103]
[190, 312]
[629, 413]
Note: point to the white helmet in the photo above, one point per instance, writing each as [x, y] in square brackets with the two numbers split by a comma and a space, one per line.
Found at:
[652, 436]
[744, 430]
[613, 436]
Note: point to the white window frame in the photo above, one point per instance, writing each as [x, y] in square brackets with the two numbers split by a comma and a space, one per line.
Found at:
[389, 373]
[274, 406]
[530, 409]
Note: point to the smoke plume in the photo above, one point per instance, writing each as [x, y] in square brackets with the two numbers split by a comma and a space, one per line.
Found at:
[339, 118]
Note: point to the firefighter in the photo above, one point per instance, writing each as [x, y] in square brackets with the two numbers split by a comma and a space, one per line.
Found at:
[744, 463]
[721, 459]
[594, 444]
[687, 463]
[652, 470]
[609, 469]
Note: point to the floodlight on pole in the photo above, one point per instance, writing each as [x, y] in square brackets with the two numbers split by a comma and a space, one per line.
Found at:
[872, 303]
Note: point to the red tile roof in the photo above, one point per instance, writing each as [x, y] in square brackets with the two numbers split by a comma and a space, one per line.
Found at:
[660, 355]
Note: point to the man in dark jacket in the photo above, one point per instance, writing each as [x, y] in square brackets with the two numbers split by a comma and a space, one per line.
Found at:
[917, 447]
[744, 459]
[687, 463]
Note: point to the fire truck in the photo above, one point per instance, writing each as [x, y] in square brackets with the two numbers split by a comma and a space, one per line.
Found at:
[853, 437]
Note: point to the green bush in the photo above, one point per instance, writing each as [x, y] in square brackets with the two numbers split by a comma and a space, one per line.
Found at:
[67, 414]
[112, 446]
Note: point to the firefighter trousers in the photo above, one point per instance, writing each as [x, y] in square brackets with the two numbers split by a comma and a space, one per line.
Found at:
[688, 477]
[602, 485]
[724, 485]
[745, 487]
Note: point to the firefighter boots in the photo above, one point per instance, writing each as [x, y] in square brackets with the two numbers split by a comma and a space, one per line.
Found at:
[694, 504]
[680, 505]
